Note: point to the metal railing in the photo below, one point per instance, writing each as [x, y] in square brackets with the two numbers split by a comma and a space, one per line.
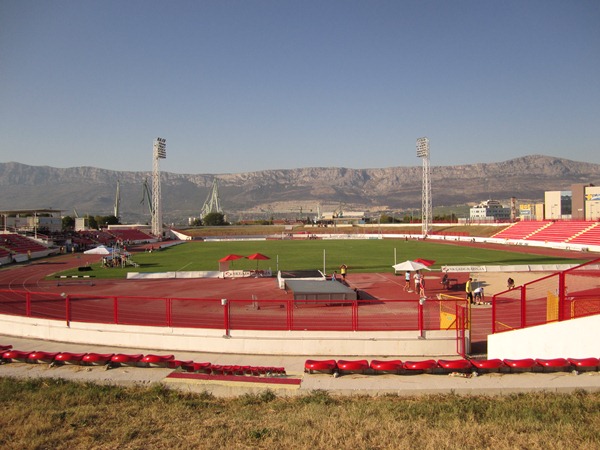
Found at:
[251, 314]
[565, 295]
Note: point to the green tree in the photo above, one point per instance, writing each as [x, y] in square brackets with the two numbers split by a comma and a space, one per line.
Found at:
[214, 219]
[92, 223]
[68, 223]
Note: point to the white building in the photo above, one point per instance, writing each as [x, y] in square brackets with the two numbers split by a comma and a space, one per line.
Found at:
[489, 211]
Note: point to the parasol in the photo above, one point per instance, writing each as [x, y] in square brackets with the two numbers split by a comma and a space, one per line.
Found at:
[410, 266]
[231, 257]
[257, 257]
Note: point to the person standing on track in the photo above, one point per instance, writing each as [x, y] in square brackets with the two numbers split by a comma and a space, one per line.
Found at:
[407, 281]
[469, 290]
[343, 271]
[417, 278]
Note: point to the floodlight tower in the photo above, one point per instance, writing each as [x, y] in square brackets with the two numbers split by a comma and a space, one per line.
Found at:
[160, 152]
[426, 208]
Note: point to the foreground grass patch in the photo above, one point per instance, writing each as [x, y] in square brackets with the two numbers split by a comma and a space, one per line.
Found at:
[60, 414]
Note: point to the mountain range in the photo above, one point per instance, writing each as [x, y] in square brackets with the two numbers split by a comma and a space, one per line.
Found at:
[90, 190]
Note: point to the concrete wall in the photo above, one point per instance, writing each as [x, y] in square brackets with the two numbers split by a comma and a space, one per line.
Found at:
[577, 338]
[407, 343]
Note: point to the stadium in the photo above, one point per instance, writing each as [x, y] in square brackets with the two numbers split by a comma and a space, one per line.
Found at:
[144, 288]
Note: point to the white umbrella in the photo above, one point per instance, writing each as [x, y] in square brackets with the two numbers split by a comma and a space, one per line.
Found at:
[410, 266]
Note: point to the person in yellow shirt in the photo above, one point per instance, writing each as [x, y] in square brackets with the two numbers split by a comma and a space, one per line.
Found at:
[469, 289]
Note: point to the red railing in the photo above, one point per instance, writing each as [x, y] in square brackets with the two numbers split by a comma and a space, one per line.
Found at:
[561, 296]
[286, 314]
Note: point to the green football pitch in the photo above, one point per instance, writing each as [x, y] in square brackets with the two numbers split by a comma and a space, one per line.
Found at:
[359, 255]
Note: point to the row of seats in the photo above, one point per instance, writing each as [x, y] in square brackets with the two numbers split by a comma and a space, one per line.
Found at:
[110, 360]
[443, 366]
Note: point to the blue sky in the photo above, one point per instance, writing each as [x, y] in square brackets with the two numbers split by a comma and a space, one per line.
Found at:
[241, 85]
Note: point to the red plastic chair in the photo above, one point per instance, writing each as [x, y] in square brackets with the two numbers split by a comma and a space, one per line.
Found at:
[585, 364]
[156, 360]
[425, 366]
[322, 366]
[521, 365]
[488, 365]
[354, 366]
[217, 369]
[176, 364]
[15, 355]
[553, 365]
[391, 366]
[96, 359]
[455, 365]
[4, 348]
[121, 359]
[69, 358]
[42, 357]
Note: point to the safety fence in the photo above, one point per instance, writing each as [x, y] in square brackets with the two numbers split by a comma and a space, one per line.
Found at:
[210, 313]
[561, 296]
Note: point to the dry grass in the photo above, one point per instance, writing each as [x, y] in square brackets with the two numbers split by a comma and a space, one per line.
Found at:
[41, 414]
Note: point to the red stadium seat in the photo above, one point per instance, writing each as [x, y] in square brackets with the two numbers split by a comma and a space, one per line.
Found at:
[553, 365]
[391, 366]
[176, 364]
[201, 367]
[69, 358]
[4, 348]
[156, 360]
[521, 365]
[96, 359]
[355, 366]
[42, 357]
[425, 366]
[455, 365]
[121, 359]
[15, 355]
[488, 365]
[585, 364]
[322, 366]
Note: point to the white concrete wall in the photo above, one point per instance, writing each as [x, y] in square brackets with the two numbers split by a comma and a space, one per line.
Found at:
[577, 338]
[406, 343]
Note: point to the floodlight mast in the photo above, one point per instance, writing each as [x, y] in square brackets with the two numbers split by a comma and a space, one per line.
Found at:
[426, 208]
[159, 152]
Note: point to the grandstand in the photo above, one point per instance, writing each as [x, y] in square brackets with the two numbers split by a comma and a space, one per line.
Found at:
[522, 230]
[575, 232]
[20, 248]
[559, 231]
[589, 236]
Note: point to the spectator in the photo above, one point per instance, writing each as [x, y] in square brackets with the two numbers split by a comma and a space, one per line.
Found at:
[469, 290]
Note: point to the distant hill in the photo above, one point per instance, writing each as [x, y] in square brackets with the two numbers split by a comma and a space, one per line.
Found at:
[91, 190]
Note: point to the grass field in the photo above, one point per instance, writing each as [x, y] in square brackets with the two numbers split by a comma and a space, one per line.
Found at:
[376, 255]
[50, 413]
